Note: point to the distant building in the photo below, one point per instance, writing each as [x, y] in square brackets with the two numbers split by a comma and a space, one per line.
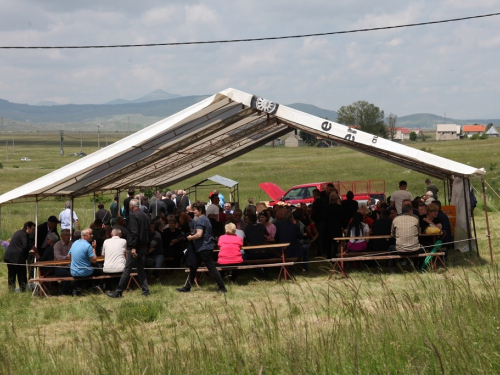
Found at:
[470, 130]
[448, 132]
[402, 134]
[492, 132]
[293, 140]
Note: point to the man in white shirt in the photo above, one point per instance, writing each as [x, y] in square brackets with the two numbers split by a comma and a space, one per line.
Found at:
[400, 195]
[114, 250]
[65, 217]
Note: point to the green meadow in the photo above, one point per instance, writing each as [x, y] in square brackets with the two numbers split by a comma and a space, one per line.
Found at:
[446, 322]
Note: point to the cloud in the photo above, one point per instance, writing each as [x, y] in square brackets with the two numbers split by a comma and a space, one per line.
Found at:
[419, 69]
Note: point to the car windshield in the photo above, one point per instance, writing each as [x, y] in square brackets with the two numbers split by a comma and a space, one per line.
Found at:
[299, 193]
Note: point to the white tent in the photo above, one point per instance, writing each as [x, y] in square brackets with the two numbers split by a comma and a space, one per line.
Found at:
[209, 133]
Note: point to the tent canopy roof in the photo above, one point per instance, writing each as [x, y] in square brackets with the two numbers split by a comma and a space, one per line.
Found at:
[209, 133]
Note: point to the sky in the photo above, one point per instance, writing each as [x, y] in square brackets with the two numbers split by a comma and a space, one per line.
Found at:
[442, 69]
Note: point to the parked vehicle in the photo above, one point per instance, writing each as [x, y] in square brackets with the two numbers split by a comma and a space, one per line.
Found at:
[25, 159]
[363, 191]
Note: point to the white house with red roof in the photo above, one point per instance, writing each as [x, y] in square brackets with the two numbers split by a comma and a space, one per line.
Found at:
[402, 134]
[470, 130]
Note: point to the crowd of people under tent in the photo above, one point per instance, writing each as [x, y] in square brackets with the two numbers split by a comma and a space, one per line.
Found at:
[177, 233]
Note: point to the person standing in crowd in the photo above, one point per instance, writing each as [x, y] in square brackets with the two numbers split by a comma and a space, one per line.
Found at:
[103, 215]
[333, 224]
[126, 203]
[250, 207]
[400, 195]
[43, 230]
[113, 209]
[349, 208]
[137, 242]
[431, 187]
[65, 217]
[200, 249]
[16, 256]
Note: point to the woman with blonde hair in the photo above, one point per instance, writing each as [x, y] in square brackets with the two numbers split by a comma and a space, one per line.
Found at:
[230, 246]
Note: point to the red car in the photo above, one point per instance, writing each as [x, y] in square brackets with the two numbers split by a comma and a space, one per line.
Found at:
[363, 191]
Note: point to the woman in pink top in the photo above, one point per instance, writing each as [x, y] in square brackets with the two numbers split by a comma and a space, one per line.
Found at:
[230, 246]
[230, 249]
[270, 227]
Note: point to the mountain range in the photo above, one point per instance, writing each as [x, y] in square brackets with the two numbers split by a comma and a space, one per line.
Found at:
[122, 114]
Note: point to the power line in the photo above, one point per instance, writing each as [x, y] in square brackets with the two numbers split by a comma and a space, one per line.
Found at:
[254, 39]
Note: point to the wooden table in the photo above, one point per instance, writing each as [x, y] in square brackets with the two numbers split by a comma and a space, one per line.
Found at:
[283, 271]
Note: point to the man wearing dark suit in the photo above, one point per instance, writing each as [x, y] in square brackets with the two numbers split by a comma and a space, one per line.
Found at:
[43, 230]
[137, 243]
[16, 255]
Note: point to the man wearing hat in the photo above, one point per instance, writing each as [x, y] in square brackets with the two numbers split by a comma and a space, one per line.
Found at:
[43, 230]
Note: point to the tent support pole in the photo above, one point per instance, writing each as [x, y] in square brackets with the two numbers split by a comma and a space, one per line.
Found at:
[468, 209]
[487, 220]
[118, 203]
[71, 222]
[474, 224]
[36, 220]
[94, 205]
[0, 220]
[445, 191]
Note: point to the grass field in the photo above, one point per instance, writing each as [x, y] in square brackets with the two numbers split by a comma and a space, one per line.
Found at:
[373, 322]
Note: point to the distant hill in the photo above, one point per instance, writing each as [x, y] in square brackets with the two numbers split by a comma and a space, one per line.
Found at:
[315, 111]
[46, 102]
[429, 121]
[141, 112]
[151, 97]
[85, 112]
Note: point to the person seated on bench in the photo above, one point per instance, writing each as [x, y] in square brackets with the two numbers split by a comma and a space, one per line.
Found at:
[357, 228]
[289, 232]
[405, 229]
[61, 250]
[230, 249]
[48, 254]
[431, 219]
[270, 227]
[114, 251]
[381, 227]
[82, 255]
[155, 257]
[255, 235]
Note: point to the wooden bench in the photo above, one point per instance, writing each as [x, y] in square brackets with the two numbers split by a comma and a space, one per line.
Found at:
[378, 255]
[282, 262]
[40, 281]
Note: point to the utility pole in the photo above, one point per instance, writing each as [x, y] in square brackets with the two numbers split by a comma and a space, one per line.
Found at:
[7, 149]
[13, 143]
[98, 139]
[81, 147]
[62, 143]
[106, 139]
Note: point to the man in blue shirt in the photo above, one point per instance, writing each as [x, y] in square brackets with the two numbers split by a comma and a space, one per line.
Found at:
[82, 255]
